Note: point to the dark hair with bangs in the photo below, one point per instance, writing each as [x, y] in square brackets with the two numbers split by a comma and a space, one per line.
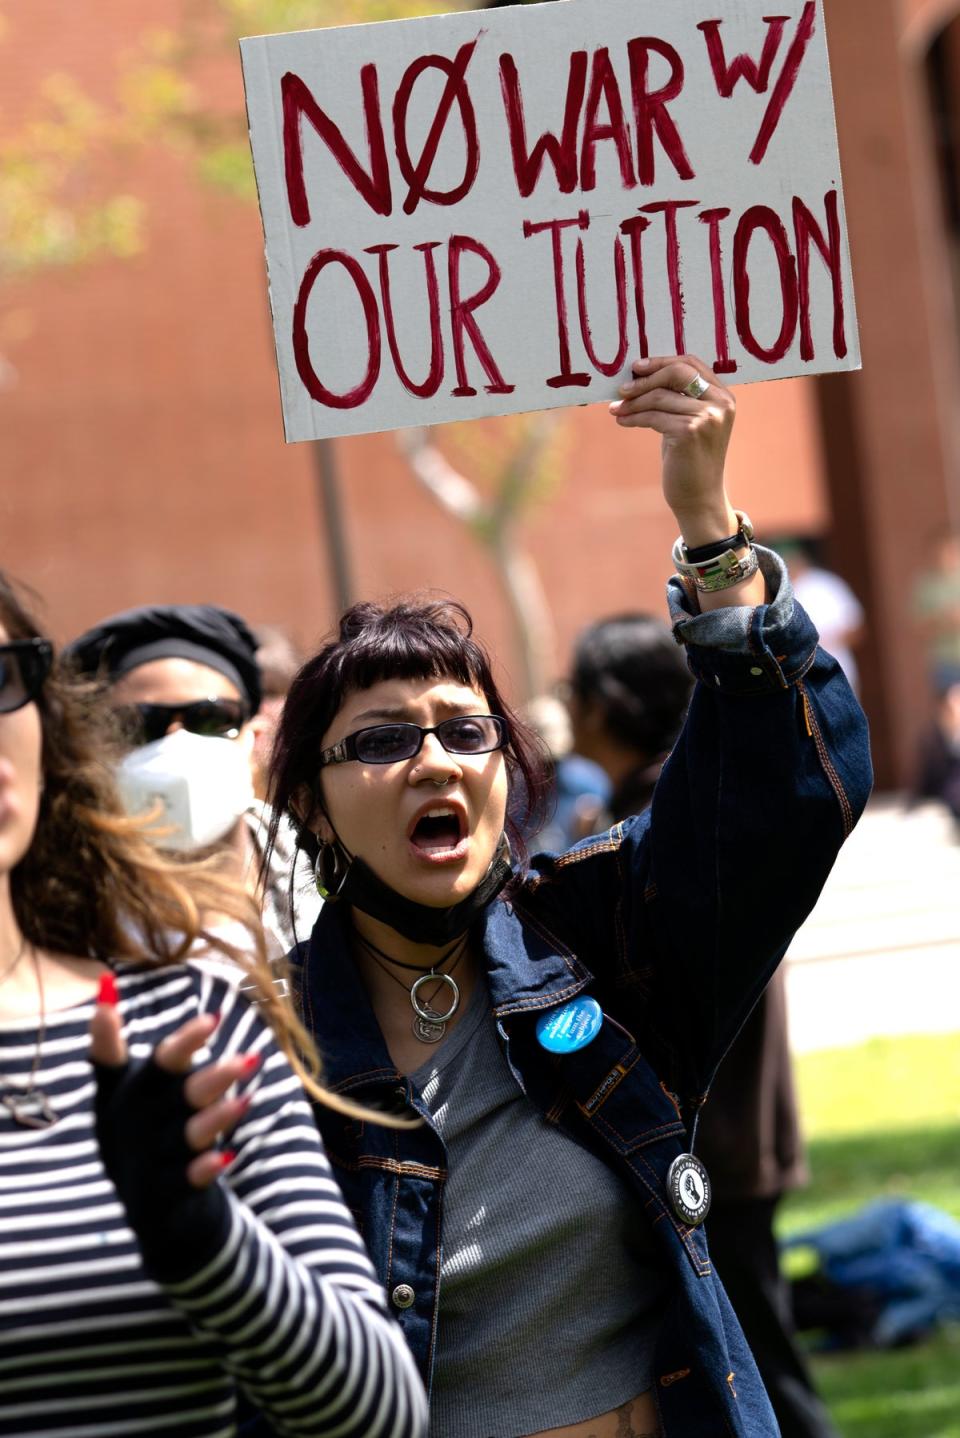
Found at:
[407, 640]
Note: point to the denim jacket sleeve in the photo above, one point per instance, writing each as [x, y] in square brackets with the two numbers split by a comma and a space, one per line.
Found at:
[685, 911]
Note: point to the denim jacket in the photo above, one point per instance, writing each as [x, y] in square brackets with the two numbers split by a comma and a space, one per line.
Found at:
[674, 921]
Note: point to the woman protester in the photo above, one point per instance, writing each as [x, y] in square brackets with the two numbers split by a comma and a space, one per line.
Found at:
[170, 1232]
[556, 1027]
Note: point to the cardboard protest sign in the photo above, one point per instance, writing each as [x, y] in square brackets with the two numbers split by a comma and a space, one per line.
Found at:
[495, 211]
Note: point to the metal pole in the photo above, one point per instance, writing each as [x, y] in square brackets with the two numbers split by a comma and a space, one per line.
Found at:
[331, 509]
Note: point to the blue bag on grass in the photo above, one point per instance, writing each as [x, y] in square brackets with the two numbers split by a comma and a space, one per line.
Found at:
[903, 1257]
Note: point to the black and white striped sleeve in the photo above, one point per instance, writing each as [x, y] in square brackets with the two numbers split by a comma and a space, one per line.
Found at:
[291, 1296]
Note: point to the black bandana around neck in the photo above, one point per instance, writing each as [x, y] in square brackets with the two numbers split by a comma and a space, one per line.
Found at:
[419, 923]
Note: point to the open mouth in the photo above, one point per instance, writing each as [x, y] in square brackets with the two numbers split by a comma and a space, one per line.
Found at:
[440, 830]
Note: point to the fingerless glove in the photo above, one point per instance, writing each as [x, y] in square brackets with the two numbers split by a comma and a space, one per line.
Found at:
[140, 1115]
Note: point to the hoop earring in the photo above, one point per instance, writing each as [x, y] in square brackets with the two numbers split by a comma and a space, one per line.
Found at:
[329, 872]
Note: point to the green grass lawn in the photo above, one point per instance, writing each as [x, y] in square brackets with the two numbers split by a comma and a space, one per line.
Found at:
[883, 1119]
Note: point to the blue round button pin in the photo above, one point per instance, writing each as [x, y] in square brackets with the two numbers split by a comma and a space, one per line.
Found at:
[571, 1027]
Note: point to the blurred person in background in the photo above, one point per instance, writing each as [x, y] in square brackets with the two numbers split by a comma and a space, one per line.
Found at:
[172, 1235]
[828, 599]
[279, 659]
[629, 690]
[185, 685]
[290, 899]
[578, 790]
[938, 757]
[936, 607]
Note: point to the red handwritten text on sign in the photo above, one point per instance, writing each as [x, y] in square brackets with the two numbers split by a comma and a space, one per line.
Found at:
[476, 196]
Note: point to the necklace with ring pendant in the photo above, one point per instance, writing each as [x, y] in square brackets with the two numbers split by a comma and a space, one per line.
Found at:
[429, 1026]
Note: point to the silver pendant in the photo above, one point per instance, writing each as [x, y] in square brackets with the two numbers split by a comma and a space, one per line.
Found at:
[423, 1011]
[429, 1030]
[31, 1109]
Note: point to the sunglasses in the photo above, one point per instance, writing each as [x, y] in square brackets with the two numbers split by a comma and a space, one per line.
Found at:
[213, 718]
[389, 743]
[24, 665]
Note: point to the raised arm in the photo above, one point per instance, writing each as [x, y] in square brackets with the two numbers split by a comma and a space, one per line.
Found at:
[681, 400]
[772, 768]
[687, 909]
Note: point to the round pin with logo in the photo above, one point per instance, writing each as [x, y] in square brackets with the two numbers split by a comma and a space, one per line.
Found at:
[688, 1188]
[571, 1027]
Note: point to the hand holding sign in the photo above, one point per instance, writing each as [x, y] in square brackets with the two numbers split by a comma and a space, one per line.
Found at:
[682, 400]
[483, 213]
[695, 432]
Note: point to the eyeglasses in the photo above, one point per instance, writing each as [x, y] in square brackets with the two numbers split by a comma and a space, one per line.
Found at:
[213, 718]
[24, 665]
[390, 743]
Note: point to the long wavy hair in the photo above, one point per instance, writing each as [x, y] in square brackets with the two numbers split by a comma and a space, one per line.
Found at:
[93, 885]
[412, 638]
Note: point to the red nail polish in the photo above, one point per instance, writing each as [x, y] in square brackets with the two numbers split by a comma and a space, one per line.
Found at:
[107, 992]
[244, 1102]
[227, 1157]
[251, 1062]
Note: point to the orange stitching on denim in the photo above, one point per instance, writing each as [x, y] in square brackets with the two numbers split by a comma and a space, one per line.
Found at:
[542, 1001]
[610, 843]
[548, 936]
[401, 1168]
[674, 1099]
[806, 713]
[730, 1378]
[668, 1378]
[608, 1085]
[831, 773]
[802, 667]
[701, 1267]
[553, 1113]
[665, 1130]
[436, 1283]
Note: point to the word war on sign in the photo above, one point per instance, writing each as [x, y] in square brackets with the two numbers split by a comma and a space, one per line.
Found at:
[470, 215]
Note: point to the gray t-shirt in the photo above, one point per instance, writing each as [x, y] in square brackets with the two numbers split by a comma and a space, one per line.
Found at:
[550, 1291]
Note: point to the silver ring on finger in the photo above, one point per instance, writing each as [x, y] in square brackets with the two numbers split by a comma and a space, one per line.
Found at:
[697, 387]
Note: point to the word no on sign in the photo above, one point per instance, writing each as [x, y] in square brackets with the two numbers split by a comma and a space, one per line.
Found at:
[495, 211]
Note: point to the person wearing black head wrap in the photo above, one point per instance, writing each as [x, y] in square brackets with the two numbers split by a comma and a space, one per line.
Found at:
[200, 634]
[186, 684]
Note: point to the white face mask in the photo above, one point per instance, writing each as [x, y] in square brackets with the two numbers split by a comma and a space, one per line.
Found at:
[204, 785]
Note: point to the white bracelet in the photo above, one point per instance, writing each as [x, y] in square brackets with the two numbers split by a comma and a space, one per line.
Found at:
[721, 572]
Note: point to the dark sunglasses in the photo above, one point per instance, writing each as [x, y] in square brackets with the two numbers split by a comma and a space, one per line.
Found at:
[213, 718]
[24, 665]
[389, 743]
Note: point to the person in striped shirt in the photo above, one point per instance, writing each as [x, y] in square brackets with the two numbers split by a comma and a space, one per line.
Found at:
[171, 1235]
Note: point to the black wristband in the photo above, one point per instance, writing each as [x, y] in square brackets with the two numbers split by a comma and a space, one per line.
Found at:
[702, 552]
[140, 1112]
